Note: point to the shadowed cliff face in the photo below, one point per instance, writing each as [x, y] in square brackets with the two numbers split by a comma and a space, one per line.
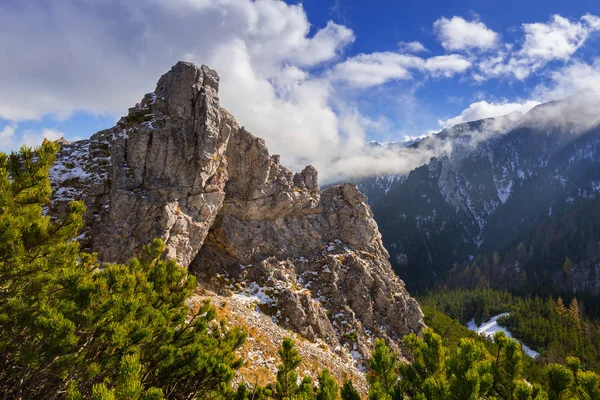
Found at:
[180, 168]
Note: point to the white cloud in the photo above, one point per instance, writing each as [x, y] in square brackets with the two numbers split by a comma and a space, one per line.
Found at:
[275, 69]
[447, 66]
[455, 99]
[7, 134]
[574, 78]
[459, 34]
[483, 109]
[592, 21]
[558, 39]
[33, 138]
[366, 70]
[11, 138]
[101, 57]
[411, 47]
[577, 89]
[376, 160]
[325, 45]
[412, 139]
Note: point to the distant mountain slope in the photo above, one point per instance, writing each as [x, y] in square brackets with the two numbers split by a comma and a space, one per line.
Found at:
[504, 177]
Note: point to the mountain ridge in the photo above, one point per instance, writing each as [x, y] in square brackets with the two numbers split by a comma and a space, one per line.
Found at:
[503, 177]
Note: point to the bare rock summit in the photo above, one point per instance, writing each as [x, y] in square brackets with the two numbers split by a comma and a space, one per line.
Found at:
[180, 168]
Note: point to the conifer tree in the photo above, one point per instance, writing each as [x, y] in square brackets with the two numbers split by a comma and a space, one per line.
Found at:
[574, 310]
[568, 266]
[256, 393]
[348, 391]
[469, 371]
[508, 365]
[328, 388]
[560, 306]
[426, 367]
[36, 262]
[495, 260]
[305, 389]
[287, 387]
[522, 391]
[559, 380]
[383, 374]
[523, 279]
[589, 385]
[586, 384]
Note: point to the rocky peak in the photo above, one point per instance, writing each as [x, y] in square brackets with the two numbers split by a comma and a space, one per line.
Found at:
[179, 89]
[160, 172]
[180, 168]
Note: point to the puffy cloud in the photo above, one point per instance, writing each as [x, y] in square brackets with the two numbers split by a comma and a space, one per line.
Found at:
[459, 34]
[101, 57]
[574, 78]
[325, 45]
[413, 139]
[366, 70]
[558, 39]
[576, 86]
[362, 159]
[447, 66]
[483, 109]
[411, 47]
[577, 89]
[7, 135]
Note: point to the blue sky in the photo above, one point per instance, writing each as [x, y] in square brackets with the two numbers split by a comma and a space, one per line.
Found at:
[381, 25]
[317, 79]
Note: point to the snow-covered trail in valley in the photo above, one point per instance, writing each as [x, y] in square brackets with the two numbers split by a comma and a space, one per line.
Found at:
[489, 328]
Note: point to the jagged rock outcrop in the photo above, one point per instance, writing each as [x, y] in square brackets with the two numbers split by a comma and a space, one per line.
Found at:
[317, 257]
[158, 173]
[180, 168]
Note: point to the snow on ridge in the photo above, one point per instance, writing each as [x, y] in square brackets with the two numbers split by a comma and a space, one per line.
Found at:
[503, 190]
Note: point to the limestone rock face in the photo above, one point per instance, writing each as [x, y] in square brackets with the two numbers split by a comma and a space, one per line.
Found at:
[315, 259]
[179, 167]
[159, 172]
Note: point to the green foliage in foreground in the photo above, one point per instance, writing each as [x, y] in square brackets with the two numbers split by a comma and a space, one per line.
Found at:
[348, 391]
[289, 386]
[472, 372]
[71, 328]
